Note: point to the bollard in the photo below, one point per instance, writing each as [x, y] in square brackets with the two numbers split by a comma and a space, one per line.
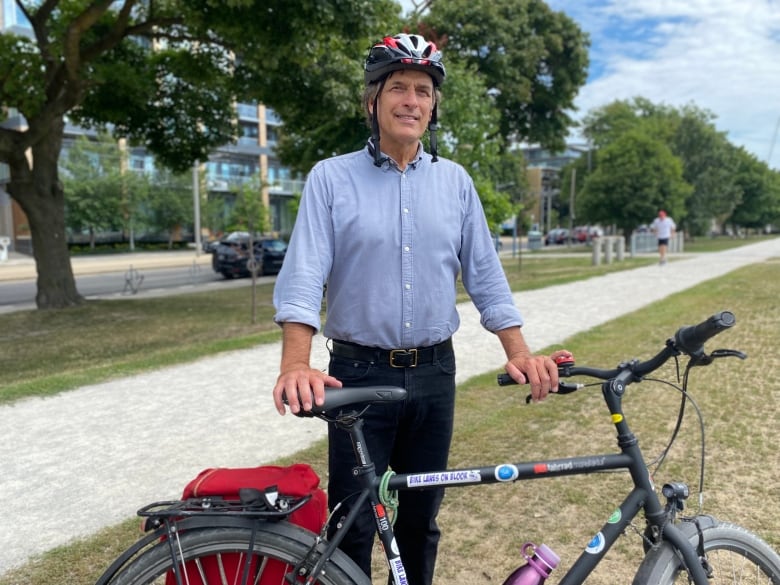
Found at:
[609, 243]
[597, 244]
[5, 243]
[620, 242]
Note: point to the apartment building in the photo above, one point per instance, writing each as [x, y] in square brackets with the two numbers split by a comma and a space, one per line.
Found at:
[226, 169]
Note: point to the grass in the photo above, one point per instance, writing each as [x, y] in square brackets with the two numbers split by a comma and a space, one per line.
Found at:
[46, 352]
[488, 525]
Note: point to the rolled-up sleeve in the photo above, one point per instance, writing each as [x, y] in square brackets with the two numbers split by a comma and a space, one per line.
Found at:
[299, 287]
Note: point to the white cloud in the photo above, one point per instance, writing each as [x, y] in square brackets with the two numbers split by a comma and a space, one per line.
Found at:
[721, 55]
[718, 54]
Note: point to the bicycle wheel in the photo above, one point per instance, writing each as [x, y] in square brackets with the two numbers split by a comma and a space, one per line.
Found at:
[217, 556]
[736, 556]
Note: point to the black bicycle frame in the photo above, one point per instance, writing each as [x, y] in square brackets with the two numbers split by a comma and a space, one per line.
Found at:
[642, 497]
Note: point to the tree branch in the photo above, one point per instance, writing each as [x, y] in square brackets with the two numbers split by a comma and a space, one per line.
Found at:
[79, 25]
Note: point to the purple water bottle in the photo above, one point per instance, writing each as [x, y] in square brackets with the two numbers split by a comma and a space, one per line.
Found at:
[541, 561]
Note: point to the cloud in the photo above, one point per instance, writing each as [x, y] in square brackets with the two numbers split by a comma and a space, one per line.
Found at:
[720, 55]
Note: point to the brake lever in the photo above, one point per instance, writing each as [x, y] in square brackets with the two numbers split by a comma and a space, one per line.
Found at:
[563, 388]
[720, 353]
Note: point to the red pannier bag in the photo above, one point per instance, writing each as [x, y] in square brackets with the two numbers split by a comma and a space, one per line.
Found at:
[297, 480]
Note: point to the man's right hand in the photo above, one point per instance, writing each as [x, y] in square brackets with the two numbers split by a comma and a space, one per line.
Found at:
[301, 388]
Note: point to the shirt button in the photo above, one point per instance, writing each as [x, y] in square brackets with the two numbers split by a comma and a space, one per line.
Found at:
[406, 248]
[407, 286]
[406, 210]
[407, 325]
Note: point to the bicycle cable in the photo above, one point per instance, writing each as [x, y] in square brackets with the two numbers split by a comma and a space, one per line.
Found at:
[657, 463]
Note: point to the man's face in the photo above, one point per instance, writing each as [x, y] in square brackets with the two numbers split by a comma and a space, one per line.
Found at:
[404, 107]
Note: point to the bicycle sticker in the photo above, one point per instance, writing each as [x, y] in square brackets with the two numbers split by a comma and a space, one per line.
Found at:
[394, 548]
[616, 418]
[616, 516]
[398, 570]
[445, 477]
[506, 472]
[596, 544]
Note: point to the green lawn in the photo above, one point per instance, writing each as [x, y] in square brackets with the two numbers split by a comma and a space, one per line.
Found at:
[45, 352]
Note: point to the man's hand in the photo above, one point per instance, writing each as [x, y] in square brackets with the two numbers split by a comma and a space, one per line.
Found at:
[541, 372]
[302, 387]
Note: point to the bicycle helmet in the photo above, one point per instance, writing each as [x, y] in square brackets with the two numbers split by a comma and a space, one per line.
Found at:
[403, 51]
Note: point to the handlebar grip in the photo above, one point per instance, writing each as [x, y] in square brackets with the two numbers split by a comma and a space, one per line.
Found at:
[690, 339]
[505, 380]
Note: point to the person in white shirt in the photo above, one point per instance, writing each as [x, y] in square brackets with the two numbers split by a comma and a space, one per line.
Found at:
[664, 228]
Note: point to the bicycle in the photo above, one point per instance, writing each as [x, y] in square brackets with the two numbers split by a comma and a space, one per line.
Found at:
[678, 548]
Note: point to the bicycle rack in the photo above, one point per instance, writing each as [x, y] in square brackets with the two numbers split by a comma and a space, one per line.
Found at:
[133, 281]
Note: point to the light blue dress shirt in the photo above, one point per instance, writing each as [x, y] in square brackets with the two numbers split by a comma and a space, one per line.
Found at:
[390, 244]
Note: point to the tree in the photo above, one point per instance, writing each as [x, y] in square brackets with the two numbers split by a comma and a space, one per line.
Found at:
[165, 75]
[249, 214]
[759, 204]
[93, 186]
[709, 166]
[706, 156]
[169, 203]
[636, 176]
[533, 60]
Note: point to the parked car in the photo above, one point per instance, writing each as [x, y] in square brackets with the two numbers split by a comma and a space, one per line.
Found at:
[556, 236]
[230, 256]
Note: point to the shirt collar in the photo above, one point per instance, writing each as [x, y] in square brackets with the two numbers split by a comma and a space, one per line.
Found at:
[389, 162]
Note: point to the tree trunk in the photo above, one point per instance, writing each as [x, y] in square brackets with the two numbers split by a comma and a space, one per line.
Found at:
[35, 185]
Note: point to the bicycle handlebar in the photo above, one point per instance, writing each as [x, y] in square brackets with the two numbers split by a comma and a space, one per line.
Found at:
[689, 340]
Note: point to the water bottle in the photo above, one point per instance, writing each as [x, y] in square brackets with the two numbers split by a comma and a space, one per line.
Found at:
[541, 560]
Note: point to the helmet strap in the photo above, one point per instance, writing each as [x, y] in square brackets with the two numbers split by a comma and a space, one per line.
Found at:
[433, 125]
[379, 160]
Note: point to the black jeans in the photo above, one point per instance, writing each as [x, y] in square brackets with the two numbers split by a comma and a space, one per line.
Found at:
[409, 437]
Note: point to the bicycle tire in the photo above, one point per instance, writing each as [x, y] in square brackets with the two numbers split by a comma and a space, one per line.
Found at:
[280, 542]
[736, 555]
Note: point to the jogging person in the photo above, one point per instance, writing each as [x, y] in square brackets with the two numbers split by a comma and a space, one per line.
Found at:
[389, 229]
[664, 228]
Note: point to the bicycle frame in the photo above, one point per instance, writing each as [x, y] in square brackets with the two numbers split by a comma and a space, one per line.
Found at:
[641, 498]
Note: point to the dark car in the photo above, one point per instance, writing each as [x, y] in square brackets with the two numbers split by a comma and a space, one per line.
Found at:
[230, 256]
[556, 236]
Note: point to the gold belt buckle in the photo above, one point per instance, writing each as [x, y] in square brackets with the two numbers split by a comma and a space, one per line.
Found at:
[403, 352]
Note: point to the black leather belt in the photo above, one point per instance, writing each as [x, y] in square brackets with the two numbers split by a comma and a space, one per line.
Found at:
[397, 358]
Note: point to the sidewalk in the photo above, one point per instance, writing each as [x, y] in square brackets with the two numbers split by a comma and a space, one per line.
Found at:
[22, 267]
[82, 460]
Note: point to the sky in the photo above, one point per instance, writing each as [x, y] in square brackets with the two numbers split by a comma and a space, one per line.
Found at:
[719, 55]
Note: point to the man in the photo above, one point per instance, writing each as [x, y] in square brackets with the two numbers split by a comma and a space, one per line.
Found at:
[664, 228]
[389, 229]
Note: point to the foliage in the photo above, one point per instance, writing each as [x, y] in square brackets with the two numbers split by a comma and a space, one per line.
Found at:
[93, 186]
[249, 214]
[469, 135]
[636, 176]
[717, 173]
[169, 204]
[166, 75]
[759, 205]
[533, 61]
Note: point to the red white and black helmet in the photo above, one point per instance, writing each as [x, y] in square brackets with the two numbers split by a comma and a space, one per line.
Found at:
[404, 51]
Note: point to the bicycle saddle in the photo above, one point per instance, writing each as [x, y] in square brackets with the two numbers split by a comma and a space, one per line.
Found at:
[336, 398]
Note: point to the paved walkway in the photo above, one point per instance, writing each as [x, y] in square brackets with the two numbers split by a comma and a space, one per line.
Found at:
[76, 462]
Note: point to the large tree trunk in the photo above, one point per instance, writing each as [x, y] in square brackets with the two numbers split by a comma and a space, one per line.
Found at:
[35, 185]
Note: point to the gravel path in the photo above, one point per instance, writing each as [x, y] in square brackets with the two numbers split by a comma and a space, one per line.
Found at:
[74, 463]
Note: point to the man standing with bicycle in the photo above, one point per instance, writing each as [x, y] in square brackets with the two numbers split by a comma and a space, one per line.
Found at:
[388, 229]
